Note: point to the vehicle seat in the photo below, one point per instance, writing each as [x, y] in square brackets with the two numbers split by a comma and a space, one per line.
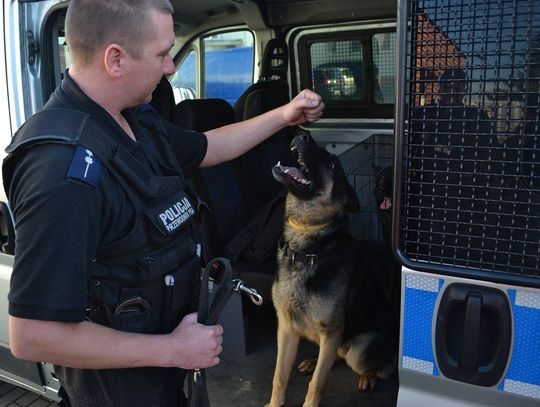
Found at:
[270, 92]
[218, 185]
[228, 191]
[224, 187]
[163, 99]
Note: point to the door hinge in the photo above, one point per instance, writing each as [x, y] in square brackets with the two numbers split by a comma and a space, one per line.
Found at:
[33, 47]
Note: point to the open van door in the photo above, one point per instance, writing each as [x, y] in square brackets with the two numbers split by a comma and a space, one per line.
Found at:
[23, 43]
[467, 221]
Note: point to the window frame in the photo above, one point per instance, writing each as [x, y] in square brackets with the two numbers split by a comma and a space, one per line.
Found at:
[197, 44]
[364, 108]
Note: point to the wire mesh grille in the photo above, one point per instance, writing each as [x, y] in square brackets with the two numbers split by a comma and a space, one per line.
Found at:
[360, 164]
[472, 165]
[336, 72]
[384, 67]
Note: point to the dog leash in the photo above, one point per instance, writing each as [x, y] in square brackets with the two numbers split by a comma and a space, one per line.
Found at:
[217, 280]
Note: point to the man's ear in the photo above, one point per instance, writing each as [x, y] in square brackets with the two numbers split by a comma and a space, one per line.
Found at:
[114, 60]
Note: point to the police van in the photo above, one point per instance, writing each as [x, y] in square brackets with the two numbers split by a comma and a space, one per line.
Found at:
[445, 92]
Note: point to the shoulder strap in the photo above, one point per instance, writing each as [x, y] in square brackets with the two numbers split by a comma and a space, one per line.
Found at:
[45, 127]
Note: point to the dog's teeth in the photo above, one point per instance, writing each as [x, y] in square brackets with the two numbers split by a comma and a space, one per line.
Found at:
[286, 171]
[278, 164]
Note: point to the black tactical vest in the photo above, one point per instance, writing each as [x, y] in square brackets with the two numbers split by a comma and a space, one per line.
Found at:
[146, 281]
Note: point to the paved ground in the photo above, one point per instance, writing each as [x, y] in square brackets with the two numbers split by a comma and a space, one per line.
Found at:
[13, 396]
[246, 381]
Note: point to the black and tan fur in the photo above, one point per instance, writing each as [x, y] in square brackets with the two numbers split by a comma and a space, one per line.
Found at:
[325, 290]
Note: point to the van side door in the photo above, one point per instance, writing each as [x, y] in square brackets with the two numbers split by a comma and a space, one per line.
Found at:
[467, 227]
[25, 35]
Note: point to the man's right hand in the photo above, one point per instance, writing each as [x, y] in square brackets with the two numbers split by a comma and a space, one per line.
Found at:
[194, 345]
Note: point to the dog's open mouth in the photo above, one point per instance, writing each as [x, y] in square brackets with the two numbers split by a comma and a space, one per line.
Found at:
[298, 178]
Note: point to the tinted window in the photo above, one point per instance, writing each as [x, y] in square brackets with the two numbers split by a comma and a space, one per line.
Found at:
[353, 70]
[336, 69]
[228, 65]
[184, 81]
[384, 67]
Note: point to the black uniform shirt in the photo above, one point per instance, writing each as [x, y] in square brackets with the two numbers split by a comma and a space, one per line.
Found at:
[61, 222]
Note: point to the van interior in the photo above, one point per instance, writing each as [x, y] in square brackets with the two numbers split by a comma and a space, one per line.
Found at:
[236, 59]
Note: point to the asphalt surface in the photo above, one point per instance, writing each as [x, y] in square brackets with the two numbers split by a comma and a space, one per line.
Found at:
[246, 380]
[13, 396]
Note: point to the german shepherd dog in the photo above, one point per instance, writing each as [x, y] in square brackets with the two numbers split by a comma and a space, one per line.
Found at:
[325, 289]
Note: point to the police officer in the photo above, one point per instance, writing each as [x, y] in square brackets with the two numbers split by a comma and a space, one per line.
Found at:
[105, 267]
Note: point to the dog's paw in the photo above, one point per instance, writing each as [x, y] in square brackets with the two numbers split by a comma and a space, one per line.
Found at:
[367, 381]
[307, 366]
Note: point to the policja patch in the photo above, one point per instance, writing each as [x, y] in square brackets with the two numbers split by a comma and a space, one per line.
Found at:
[172, 214]
[85, 167]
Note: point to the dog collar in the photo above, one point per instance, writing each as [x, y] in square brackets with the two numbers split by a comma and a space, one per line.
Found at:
[306, 258]
[307, 228]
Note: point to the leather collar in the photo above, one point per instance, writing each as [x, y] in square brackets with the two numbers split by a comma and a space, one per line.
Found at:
[306, 258]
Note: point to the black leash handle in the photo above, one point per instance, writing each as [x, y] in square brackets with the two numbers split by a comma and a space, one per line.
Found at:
[216, 278]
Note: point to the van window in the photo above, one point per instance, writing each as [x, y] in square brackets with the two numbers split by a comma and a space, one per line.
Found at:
[184, 80]
[352, 69]
[336, 69]
[228, 64]
[384, 67]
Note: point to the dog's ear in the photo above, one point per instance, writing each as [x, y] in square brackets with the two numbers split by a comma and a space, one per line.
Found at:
[351, 200]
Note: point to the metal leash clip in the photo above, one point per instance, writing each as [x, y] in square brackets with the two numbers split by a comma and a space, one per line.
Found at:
[196, 375]
[253, 294]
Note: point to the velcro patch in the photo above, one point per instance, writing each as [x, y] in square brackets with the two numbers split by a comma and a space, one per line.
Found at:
[172, 214]
[85, 167]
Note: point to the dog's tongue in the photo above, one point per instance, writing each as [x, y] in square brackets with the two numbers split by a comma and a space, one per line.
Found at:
[294, 172]
[291, 171]
[386, 204]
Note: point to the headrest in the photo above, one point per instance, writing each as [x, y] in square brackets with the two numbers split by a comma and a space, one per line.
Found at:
[274, 61]
[163, 98]
[203, 114]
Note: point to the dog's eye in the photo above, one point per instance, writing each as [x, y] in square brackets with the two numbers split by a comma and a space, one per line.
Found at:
[331, 164]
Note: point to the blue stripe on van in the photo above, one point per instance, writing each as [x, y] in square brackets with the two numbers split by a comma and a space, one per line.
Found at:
[419, 304]
[523, 375]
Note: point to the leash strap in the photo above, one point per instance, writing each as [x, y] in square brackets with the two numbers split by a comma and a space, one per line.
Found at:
[217, 286]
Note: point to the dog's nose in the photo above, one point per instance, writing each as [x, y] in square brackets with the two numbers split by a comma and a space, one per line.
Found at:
[301, 137]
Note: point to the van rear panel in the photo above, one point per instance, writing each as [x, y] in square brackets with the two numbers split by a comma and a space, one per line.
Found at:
[468, 224]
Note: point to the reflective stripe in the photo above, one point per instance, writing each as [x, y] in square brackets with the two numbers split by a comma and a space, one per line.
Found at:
[528, 299]
[418, 365]
[523, 375]
[421, 294]
[524, 389]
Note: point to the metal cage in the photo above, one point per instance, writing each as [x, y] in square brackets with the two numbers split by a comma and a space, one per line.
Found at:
[469, 126]
[361, 163]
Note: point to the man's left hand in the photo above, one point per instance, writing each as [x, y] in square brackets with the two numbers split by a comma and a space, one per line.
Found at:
[307, 106]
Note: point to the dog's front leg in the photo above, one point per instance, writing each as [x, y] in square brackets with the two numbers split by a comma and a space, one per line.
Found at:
[287, 344]
[328, 348]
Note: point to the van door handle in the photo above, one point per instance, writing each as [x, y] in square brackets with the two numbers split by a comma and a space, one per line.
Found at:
[471, 331]
[473, 334]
